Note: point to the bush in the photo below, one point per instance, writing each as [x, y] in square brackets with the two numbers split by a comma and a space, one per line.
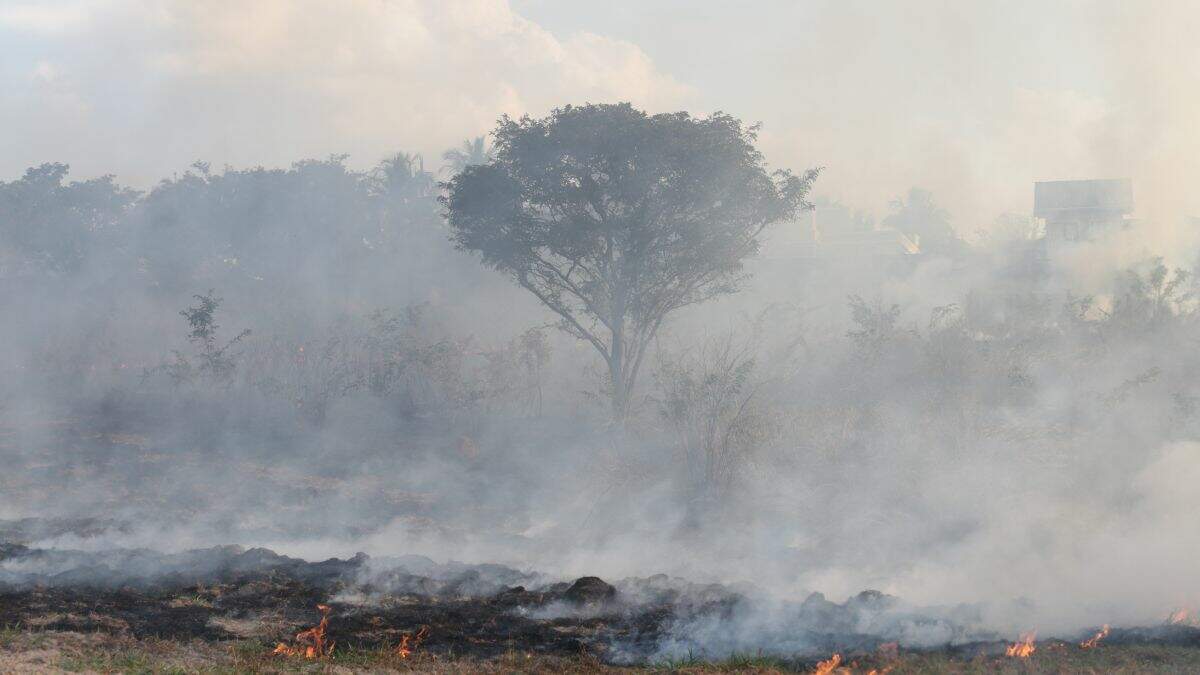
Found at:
[211, 360]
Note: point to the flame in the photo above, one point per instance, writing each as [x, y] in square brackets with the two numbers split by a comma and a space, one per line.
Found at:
[406, 648]
[1180, 617]
[828, 666]
[311, 643]
[1024, 647]
[1095, 639]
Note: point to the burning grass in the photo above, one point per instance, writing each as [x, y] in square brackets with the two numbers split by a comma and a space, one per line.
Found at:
[409, 643]
[828, 666]
[1094, 641]
[1024, 648]
[23, 650]
[311, 643]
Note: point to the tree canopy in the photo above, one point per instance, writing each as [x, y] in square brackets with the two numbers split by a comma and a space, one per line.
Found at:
[614, 218]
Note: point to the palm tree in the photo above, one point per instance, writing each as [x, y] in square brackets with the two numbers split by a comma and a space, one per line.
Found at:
[403, 174]
[471, 152]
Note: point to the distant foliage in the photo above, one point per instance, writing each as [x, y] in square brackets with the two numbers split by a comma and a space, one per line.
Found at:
[313, 230]
[253, 230]
[49, 226]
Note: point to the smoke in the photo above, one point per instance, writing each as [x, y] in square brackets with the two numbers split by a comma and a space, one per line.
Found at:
[110, 85]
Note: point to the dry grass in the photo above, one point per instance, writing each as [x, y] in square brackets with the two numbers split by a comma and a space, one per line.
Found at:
[63, 652]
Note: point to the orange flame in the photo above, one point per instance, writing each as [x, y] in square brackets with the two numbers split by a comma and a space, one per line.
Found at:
[311, 643]
[406, 647]
[1180, 617]
[1095, 639]
[1024, 648]
[828, 666]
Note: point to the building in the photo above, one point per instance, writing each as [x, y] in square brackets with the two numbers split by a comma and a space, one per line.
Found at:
[1080, 210]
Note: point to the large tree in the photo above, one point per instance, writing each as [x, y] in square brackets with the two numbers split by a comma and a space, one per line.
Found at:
[614, 218]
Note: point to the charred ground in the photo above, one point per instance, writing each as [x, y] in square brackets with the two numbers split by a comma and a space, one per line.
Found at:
[227, 606]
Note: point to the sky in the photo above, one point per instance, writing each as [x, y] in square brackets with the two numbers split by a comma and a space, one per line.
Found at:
[972, 100]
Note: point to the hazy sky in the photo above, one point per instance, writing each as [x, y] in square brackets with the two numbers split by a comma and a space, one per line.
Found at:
[973, 100]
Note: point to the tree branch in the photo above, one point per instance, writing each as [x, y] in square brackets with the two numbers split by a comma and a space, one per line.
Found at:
[566, 314]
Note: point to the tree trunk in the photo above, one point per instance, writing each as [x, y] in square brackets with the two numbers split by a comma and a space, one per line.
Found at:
[616, 361]
[616, 374]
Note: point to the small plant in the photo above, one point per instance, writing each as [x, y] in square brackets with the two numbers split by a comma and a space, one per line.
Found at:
[211, 359]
